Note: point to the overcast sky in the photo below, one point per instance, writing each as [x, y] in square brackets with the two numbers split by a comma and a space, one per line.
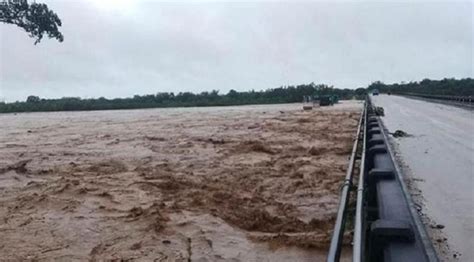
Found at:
[119, 48]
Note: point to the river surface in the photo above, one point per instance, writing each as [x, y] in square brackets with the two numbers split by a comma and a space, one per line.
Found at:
[243, 183]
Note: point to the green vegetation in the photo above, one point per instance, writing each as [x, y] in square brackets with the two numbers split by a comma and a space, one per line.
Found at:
[288, 94]
[448, 87]
[36, 19]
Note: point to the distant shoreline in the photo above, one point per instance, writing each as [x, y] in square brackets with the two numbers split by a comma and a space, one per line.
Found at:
[280, 95]
[288, 94]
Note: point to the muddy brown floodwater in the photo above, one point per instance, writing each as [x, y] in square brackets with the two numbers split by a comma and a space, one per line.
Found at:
[248, 183]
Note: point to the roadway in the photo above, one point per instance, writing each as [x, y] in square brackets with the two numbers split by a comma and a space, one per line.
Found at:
[439, 155]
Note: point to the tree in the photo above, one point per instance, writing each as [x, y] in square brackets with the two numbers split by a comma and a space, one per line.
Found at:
[377, 85]
[360, 91]
[32, 99]
[232, 93]
[36, 19]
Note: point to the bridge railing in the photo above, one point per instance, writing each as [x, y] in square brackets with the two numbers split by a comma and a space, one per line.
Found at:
[387, 226]
[468, 100]
[339, 225]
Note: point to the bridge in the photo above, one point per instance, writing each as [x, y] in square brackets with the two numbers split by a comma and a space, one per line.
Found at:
[386, 221]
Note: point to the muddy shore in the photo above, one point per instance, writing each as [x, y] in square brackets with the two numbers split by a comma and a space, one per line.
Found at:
[247, 183]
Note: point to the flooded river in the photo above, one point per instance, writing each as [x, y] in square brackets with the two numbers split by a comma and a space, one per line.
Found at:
[246, 183]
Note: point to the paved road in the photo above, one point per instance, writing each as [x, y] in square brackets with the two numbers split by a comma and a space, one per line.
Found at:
[440, 155]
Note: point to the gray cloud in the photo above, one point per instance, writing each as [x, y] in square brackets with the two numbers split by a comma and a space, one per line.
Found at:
[197, 46]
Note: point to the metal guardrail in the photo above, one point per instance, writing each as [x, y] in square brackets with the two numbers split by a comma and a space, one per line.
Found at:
[358, 248]
[387, 226]
[467, 101]
[338, 232]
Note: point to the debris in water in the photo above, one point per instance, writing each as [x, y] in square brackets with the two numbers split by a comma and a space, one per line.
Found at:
[19, 167]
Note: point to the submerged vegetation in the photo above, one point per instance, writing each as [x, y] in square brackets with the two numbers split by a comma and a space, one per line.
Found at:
[288, 94]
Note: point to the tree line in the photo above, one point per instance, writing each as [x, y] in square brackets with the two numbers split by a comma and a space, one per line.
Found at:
[287, 94]
[284, 94]
[447, 87]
